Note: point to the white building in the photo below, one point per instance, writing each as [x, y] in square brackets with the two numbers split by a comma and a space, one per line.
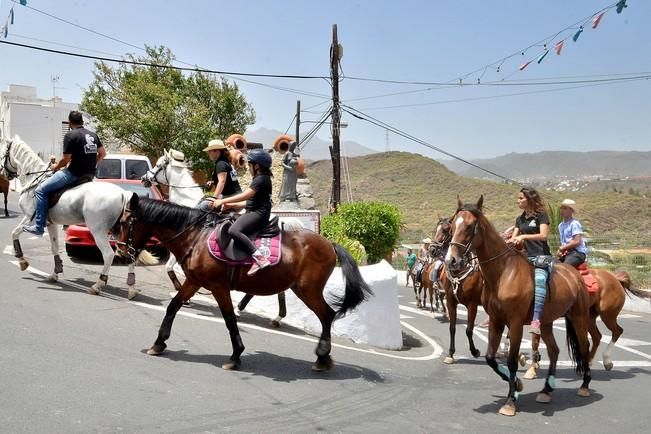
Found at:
[41, 123]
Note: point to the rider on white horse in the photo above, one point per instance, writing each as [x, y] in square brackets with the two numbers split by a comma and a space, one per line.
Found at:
[82, 151]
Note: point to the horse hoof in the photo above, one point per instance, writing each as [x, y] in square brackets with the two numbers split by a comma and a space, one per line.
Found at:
[522, 359]
[519, 386]
[544, 398]
[475, 353]
[53, 278]
[24, 265]
[530, 374]
[322, 366]
[133, 292]
[155, 350]
[275, 324]
[508, 409]
[237, 312]
[93, 290]
[448, 360]
[608, 366]
[231, 365]
[584, 392]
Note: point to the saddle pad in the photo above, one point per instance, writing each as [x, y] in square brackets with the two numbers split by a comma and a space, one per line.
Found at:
[590, 282]
[270, 248]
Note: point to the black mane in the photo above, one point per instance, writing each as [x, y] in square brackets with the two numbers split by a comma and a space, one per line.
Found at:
[167, 214]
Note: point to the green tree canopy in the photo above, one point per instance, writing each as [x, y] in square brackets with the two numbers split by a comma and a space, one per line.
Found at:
[153, 108]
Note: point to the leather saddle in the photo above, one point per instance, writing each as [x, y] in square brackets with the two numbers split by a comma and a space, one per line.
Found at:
[54, 197]
[231, 248]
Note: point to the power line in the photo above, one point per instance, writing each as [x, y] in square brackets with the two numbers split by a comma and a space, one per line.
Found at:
[365, 117]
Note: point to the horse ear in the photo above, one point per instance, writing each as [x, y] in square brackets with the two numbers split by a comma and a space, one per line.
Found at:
[459, 203]
[134, 201]
[480, 202]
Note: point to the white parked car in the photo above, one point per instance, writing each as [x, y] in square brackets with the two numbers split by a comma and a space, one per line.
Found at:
[123, 166]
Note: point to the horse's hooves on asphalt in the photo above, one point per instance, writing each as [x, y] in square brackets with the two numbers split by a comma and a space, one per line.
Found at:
[231, 366]
[23, 265]
[519, 386]
[93, 290]
[448, 360]
[53, 278]
[508, 409]
[584, 392]
[322, 366]
[275, 324]
[133, 292]
[475, 353]
[155, 350]
[544, 398]
[608, 366]
[522, 359]
[530, 374]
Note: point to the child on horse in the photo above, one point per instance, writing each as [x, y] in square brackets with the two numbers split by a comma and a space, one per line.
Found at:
[256, 200]
[572, 250]
[531, 229]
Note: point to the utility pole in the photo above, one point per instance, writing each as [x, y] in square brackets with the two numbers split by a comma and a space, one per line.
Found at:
[298, 123]
[386, 145]
[55, 80]
[335, 154]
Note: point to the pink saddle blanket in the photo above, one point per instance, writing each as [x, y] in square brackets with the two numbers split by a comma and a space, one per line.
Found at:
[270, 248]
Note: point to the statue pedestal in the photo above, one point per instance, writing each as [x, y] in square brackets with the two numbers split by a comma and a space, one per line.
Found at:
[288, 205]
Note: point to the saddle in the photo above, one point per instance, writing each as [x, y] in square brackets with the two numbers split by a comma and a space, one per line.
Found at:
[54, 197]
[224, 248]
[591, 283]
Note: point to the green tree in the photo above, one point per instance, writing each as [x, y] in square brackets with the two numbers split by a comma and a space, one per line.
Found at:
[153, 108]
[376, 225]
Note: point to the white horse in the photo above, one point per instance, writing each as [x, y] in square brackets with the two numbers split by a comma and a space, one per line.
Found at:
[99, 205]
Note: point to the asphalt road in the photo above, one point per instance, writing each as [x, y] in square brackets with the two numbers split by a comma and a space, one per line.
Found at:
[72, 362]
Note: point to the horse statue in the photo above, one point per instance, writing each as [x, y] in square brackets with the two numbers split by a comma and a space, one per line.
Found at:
[305, 262]
[607, 302]
[4, 187]
[466, 290]
[96, 204]
[508, 296]
[171, 170]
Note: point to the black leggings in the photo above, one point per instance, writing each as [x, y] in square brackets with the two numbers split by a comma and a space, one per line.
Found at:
[248, 223]
[574, 258]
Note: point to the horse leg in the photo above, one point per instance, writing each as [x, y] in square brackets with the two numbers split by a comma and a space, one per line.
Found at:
[53, 231]
[242, 304]
[547, 334]
[576, 325]
[317, 304]
[6, 210]
[440, 294]
[165, 330]
[223, 298]
[282, 310]
[470, 326]
[18, 251]
[495, 332]
[452, 309]
[102, 242]
[431, 290]
[169, 267]
[595, 334]
[532, 372]
[610, 319]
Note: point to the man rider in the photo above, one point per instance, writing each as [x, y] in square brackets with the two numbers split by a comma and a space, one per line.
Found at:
[82, 151]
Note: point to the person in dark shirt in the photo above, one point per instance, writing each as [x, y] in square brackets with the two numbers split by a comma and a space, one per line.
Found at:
[531, 229]
[256, 201]
[223, 177]
[82, 150]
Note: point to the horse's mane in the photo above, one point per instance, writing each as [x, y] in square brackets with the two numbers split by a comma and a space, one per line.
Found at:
[168, 214]
[26, 155]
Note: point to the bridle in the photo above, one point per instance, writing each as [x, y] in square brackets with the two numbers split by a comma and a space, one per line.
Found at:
[152, 174]
[12, 172]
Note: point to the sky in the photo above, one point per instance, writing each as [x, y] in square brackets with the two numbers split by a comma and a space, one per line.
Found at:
[425, 41]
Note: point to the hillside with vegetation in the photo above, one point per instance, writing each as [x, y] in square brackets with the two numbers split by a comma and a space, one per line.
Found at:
[423, 189]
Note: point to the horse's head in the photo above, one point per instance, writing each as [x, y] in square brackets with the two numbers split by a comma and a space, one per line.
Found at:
[9, 167]
[442, 236]
[133, 236]
[158, 173]
[465, 234]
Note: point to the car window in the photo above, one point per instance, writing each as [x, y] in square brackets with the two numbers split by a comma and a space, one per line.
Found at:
[109, 169]
[135, 168]
[139, 189]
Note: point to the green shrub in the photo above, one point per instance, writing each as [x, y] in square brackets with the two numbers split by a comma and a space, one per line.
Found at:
[376, 225]
[354, 247]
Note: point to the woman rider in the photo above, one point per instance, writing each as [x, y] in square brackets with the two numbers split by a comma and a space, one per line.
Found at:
[256, 201]
[223, 177]
[531, 229]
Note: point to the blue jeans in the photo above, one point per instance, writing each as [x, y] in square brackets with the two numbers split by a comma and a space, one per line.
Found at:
[540, 292]
[60, 179]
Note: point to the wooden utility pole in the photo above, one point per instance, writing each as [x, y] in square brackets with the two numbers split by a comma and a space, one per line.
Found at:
[298, 123]
[335, 120]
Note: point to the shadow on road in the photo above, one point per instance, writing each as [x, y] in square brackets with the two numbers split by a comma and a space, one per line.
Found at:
[562, 399]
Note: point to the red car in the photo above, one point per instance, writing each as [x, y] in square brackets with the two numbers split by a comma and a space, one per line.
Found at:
[79, 240]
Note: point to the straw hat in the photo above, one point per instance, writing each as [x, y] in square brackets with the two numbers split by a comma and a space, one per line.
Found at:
[427, 241]
[569, 203]
[215, 144]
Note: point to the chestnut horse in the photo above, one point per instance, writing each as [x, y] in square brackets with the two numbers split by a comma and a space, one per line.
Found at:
[606, 303]
[307, 260]
[508, 297]
[4, 187]
[466, 291]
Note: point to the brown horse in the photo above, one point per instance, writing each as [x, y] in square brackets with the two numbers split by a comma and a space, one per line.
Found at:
[307, 261]
[607, 303]
[4, 187]
[430, 288]
[508, 298]
[466, 291]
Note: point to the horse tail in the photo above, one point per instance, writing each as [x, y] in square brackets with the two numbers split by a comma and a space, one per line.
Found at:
[357, 290]
[625, 280]
[574, 348]
[146, 258]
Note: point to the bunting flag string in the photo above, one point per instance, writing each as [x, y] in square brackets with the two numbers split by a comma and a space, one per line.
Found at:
[559, 46]
[4, 31]
[596, 20]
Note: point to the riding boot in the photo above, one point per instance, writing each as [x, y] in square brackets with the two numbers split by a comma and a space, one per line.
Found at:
[261, 262]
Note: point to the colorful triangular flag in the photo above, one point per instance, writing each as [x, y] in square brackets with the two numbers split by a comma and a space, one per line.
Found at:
[596, 20]
[559, 46]
[621, 4]
[11, 16]
[542, 56]
[577, 34]
[23, 2]
[524, 65]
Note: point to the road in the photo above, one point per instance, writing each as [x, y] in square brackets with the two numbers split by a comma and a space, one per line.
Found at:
[72, 362]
